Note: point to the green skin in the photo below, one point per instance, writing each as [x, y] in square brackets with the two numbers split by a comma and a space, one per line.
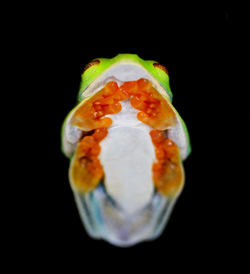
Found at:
[158, 74]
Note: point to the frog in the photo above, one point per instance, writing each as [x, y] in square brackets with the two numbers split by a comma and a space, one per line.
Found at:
[126, 144]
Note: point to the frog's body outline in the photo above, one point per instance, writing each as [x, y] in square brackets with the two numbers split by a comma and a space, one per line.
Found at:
[97, 73]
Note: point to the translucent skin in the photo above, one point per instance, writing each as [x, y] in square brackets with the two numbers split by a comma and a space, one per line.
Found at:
[87, 172]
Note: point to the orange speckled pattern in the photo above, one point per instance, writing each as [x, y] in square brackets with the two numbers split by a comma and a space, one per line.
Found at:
[168, 174]
[86, 168]
[90, 115]
[154, 111]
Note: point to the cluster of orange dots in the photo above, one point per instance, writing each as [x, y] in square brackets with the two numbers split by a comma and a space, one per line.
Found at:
[87, 169]
[166, 171]
[89, 146]
[154, 110]
[143, 98]
[141, 95]
[108, 101]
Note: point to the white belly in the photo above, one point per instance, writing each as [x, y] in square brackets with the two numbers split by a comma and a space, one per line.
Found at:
[127, 156]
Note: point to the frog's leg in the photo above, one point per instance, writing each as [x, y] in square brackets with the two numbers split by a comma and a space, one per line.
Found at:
[168, 172]
[86, 170]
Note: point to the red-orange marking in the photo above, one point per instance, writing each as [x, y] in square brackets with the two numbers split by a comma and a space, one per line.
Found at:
[161, 67]
[86, 170]
[167, 171]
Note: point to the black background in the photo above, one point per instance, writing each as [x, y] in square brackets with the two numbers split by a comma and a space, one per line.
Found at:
[194, 43]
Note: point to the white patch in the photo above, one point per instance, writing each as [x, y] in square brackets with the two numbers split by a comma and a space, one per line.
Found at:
[121, 73]
[73, 134]
[127, 117]
[127, 156]
[177, 134]
[127, 72]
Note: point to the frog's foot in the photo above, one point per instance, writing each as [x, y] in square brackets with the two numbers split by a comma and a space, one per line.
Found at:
[126, 172]
[155, 111]
[86, 170]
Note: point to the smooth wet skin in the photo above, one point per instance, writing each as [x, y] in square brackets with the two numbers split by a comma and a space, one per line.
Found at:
[126, 143]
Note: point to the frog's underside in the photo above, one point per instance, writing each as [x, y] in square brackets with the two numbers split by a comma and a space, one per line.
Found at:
[126, 143]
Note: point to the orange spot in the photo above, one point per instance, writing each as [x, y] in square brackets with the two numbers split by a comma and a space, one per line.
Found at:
[100, 134]
[137, 103]
[109, 89]
[86, 170]
[129, 87]
[157, 137]
[168, 173]
[143, 117]
[144, 84]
